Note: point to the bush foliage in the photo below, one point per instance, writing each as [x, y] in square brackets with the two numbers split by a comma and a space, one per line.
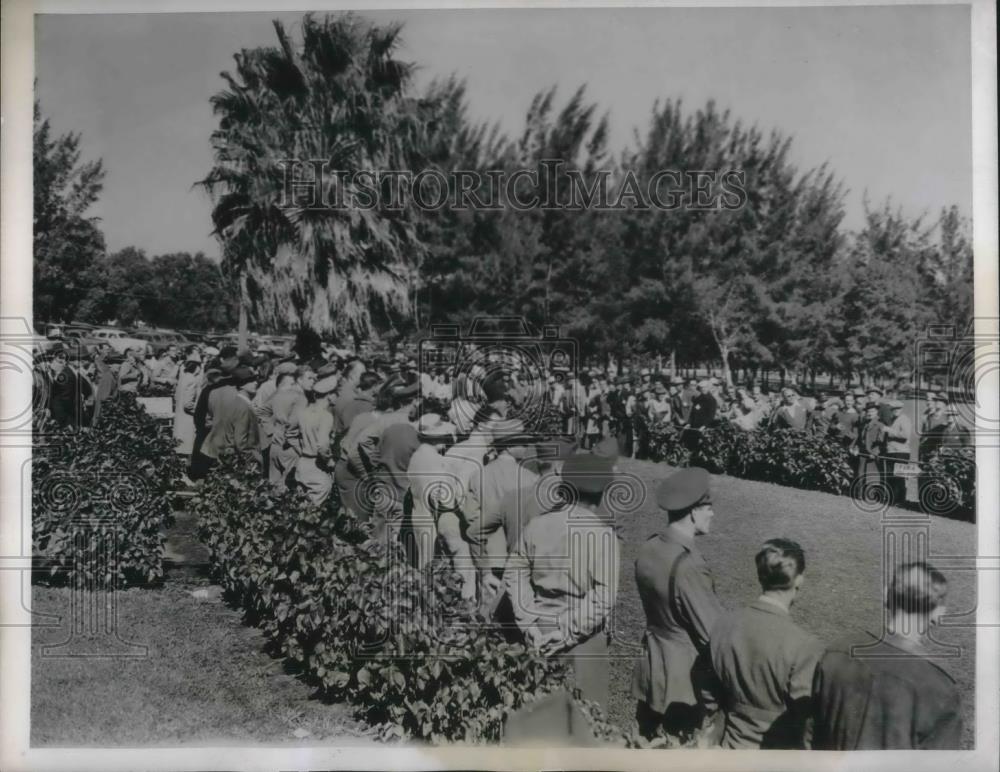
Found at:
[782, 456]
[105, 487]
[398, 643]
[950, 487]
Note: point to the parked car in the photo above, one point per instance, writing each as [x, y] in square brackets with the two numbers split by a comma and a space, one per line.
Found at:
[193, 337]
[120, 341]
[160, 339]
[84, 338]
[276, 344]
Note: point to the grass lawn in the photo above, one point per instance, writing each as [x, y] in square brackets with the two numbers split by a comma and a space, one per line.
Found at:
[206, 679]
[842, 593]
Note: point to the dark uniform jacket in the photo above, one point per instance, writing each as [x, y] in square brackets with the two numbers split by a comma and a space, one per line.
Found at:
[892, 701]
[678, 595]
[765, 664]
[703, 410]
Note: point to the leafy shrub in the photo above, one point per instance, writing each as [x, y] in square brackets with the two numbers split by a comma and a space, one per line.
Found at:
[105, 486]
[665, 445]
[155, 390]
[399, 644]
[800, 460]
[949, 486]
[782, 456]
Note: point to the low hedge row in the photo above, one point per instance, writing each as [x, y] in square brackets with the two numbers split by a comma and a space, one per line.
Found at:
[397, 643]
[809, 461]
[949, 486]
[782, 456]
[101, 496]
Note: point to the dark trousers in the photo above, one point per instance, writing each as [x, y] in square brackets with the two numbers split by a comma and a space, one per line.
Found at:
[201, 465]
[896, 485]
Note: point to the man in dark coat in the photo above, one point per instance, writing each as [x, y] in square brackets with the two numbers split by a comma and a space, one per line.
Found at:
[673, 680]
[67, 391]
[234, 422]
[885, 693]
[703, 407]
[679, 411]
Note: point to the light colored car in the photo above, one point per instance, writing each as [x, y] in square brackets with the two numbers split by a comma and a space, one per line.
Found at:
[160, 340]
[118, 340]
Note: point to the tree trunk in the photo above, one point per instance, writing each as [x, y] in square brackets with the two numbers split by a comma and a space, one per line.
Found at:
[727, 374]
[243, 330]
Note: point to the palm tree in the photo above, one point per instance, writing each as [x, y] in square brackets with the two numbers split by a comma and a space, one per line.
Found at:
[341, 98]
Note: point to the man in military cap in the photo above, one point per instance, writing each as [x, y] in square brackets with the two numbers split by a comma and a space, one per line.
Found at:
[363, 447]
[562, 577]
[763, 660]
[673, 680]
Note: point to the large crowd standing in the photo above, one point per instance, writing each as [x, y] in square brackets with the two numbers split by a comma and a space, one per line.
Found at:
[443, 461]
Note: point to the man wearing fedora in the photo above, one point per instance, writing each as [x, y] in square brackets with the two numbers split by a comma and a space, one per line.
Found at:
[898, 436]
[870, 451]
[312, 467]
[673, 680]
[234, 424]
[562, 577]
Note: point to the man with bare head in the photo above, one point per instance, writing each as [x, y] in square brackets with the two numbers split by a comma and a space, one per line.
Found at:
[886, 693]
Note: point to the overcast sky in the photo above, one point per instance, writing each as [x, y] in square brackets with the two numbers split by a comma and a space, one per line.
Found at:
[881, 93]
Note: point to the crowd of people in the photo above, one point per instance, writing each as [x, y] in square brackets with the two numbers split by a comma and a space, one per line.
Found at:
[592, 406]
[443, 462]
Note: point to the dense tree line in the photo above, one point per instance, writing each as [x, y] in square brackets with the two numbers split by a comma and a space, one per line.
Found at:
[177, 291]
[775, 283]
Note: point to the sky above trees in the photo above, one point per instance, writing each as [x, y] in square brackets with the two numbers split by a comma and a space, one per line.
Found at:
[882, 94]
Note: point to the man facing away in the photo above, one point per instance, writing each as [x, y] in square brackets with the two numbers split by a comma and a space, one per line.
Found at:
[764, 661]
[562, 577]
[673, 680]
[886, 694]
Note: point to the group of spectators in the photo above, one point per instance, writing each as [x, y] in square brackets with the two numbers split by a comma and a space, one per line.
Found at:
[869, 423]
[442, 462]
